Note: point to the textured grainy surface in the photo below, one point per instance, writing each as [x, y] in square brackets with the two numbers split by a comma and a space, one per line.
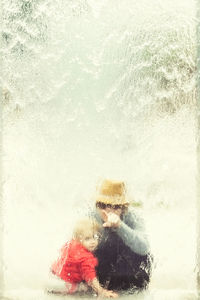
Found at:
[96, 89]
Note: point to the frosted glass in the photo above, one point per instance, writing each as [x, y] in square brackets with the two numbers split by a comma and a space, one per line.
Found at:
[91, 90]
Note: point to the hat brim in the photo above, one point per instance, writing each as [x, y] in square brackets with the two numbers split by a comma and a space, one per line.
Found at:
[112, 200]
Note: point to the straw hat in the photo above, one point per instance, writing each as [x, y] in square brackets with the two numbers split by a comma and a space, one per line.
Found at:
[112, 192]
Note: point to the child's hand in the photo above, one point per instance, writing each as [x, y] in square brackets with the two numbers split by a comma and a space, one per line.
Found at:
[108, 294]
[82, 287]
[100, 290]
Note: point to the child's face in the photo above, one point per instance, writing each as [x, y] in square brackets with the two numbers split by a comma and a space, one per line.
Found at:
[90, 240]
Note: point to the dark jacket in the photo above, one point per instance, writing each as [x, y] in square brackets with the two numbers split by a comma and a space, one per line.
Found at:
[124, 253]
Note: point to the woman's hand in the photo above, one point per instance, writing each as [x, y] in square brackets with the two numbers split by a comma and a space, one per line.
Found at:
[110, 219]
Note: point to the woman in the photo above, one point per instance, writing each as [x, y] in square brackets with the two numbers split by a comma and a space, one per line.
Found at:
[123, 252]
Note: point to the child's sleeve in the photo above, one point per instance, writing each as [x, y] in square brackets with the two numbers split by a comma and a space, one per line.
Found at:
[57, 266]
[88, 268]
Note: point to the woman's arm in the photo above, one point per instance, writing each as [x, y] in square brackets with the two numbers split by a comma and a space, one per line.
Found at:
[132, 232]
[130, 229]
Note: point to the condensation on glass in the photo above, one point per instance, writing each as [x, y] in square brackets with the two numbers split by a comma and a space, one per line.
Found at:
[95, 89]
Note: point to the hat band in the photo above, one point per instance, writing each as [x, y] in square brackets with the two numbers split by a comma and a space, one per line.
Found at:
[112, 200]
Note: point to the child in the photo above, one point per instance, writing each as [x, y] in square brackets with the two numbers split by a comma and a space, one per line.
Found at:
[76, 263]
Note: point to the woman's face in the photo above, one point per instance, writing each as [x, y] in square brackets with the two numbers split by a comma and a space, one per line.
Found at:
[116, 209]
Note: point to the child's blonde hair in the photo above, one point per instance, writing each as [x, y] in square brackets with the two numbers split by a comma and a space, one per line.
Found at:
[84, 226]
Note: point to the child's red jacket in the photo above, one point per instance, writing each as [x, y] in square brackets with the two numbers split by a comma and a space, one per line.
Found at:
[75, 263]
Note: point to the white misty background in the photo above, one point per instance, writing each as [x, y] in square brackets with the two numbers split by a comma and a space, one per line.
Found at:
[93, 90]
